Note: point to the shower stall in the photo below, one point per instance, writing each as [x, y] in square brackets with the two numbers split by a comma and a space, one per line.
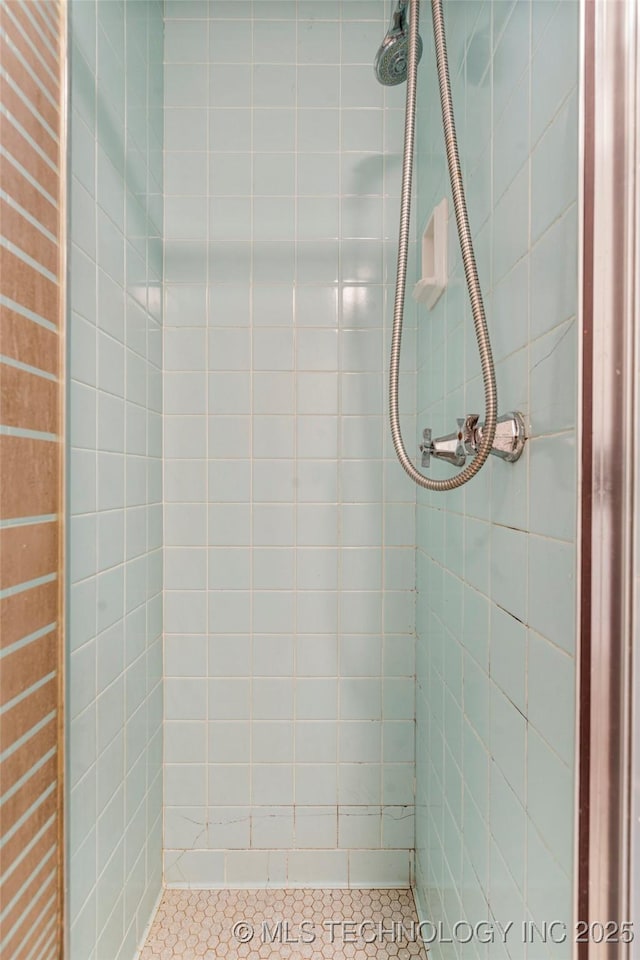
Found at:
[328, 677]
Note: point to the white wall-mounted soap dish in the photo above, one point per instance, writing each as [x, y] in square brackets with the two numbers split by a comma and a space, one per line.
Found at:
[429, 288]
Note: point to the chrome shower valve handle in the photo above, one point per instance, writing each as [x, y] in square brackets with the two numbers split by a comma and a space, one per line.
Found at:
[450, 448]
[510, 436]
[508, 443]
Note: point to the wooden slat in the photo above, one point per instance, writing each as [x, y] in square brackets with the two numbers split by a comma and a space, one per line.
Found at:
[14, 846]
[52, 84]
[24, 284]
[28, 342]
[23, 234]
[34, 465]
[17, 946]
[23, 613]
[34, 127]
[32, 789]
[27, 553]
[47, 28]
[15, 880]
[20, 15]
[17, 721]
[18, 763]
[43, 16]
[28, 401]
[36, 930]
[18, 187]
[28, 664]
[37, 891]
[27, 85]
[52, 10]
[45, 939]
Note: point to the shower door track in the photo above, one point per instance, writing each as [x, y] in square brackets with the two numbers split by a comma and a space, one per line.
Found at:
[606, 808]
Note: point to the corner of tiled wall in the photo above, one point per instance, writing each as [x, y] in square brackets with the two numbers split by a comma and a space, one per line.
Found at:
[115, 599]
[496, 561]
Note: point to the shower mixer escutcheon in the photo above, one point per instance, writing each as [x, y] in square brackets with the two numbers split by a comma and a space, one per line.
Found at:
[454, 448]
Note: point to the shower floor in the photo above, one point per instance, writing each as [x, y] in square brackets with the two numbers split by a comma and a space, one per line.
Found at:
[354, 924]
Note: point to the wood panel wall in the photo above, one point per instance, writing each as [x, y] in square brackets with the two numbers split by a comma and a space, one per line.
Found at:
[32, 36]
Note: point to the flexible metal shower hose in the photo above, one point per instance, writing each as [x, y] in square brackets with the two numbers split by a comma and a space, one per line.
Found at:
[466, 247]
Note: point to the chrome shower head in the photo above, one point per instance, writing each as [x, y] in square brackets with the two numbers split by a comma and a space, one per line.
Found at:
[391, 59]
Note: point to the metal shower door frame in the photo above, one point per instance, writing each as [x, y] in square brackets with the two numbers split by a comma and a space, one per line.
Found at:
[607, 753]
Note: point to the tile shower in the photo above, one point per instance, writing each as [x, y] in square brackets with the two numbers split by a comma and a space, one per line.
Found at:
[256, 591]
[289, 565]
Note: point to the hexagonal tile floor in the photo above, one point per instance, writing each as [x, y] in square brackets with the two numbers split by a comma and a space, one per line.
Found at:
[284, 925]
